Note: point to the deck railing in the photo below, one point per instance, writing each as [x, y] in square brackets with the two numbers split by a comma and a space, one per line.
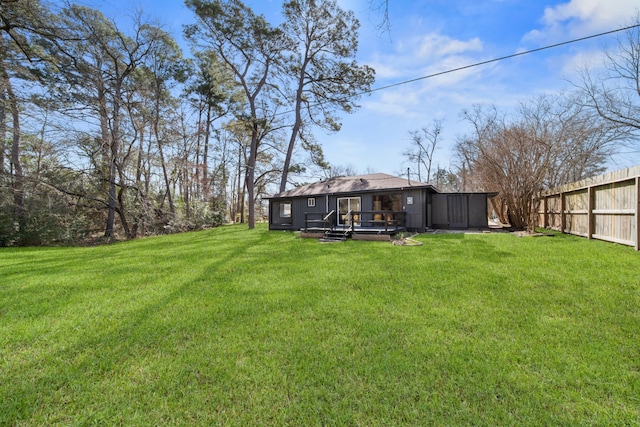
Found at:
[319, 220]
[381, 220]
[387, 220]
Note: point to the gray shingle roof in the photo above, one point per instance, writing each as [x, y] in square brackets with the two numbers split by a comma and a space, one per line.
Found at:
[353, 184]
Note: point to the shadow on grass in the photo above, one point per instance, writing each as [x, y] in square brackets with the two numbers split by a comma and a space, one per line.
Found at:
[74, 364]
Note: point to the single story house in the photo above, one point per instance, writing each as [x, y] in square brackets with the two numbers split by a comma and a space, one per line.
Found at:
[374, 204]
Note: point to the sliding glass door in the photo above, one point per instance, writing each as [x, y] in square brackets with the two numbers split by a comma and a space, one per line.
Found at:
[346, 204]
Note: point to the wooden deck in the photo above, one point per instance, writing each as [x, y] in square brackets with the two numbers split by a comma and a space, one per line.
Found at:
[356, 233]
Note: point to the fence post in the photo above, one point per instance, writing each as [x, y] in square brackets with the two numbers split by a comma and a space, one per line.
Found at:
[590, 216]
[637, 213]
[563, 219]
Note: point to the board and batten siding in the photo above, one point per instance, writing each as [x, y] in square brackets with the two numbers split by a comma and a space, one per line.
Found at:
[605, 207]
[459, 210]
[417, 210]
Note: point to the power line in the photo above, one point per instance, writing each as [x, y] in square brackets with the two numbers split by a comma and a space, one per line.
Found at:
[502, 58]
[477, 64]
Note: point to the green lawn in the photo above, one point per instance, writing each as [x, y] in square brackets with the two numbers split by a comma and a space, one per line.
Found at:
[238, 327]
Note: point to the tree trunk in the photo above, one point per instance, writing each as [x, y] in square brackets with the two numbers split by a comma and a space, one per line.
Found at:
[167, 181]
[239, 188]
[140, 196]
[108, 150]
[113, 173]
[121, 212]
[3, 128]
[296, 128]
[250, 175]
[16, 166]
[206, 189]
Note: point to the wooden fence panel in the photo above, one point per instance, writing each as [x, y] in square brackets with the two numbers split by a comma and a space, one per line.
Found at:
[604, 207]
[614, 212]
[554, 212]
[576, 211]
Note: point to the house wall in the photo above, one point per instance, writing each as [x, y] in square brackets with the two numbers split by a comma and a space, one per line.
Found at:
[428, 210]
[478, 211]
[276, 221]
[439, 211]
[417, 212]
[300, 206]
[476, 207]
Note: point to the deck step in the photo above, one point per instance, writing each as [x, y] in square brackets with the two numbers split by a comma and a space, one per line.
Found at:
[334, 236]
[331, 240]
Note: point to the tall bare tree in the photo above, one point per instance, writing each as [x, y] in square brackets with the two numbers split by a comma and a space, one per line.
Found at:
[214, 96]
[423, 146]
[551, 141]
[20, 22]
[614, 93]
[98, 66]
[324, 37]
[164, 67]
[11, 100]
[251, 48]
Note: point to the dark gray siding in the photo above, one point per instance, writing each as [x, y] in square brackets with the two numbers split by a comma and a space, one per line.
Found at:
[276, 221]
[478, 212]
[416, 214]
[428, 210]
[416, 219]
[300, 207]
[439, 211]
[459, 210]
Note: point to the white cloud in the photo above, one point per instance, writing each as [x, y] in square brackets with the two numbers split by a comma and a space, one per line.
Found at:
[589, 59]
[580, 18]
[584, 17]
[435, 46]
[427, 54]
[601, 14]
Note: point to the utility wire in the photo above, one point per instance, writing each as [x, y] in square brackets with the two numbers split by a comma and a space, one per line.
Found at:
[502, 58]
[477, 64]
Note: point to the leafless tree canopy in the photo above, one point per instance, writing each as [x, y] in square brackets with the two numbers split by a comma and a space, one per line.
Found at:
[381, 7]
[423, 146]
[548, 142]
[613, 92]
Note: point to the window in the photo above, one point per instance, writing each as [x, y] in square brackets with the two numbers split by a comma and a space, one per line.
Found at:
[390, 202]
[285, 210]
[311, 202]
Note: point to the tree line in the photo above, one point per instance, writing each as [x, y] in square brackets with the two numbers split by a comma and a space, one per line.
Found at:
[112, 130]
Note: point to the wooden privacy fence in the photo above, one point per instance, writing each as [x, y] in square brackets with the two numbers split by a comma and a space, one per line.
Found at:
[605, 207]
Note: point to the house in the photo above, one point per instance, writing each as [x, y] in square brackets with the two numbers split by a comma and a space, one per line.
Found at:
[374, 205]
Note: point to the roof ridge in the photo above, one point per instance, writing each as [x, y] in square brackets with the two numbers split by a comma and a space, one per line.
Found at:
[354, 183]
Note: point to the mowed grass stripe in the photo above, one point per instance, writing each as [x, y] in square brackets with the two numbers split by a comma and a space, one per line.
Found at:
[238, 327]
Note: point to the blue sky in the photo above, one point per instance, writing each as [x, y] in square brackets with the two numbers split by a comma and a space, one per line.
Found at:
[431, 36]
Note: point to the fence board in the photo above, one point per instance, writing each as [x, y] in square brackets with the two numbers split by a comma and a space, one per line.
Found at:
[605, 207]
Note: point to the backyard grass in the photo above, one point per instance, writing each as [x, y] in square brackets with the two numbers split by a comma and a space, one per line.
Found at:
[237, 327]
